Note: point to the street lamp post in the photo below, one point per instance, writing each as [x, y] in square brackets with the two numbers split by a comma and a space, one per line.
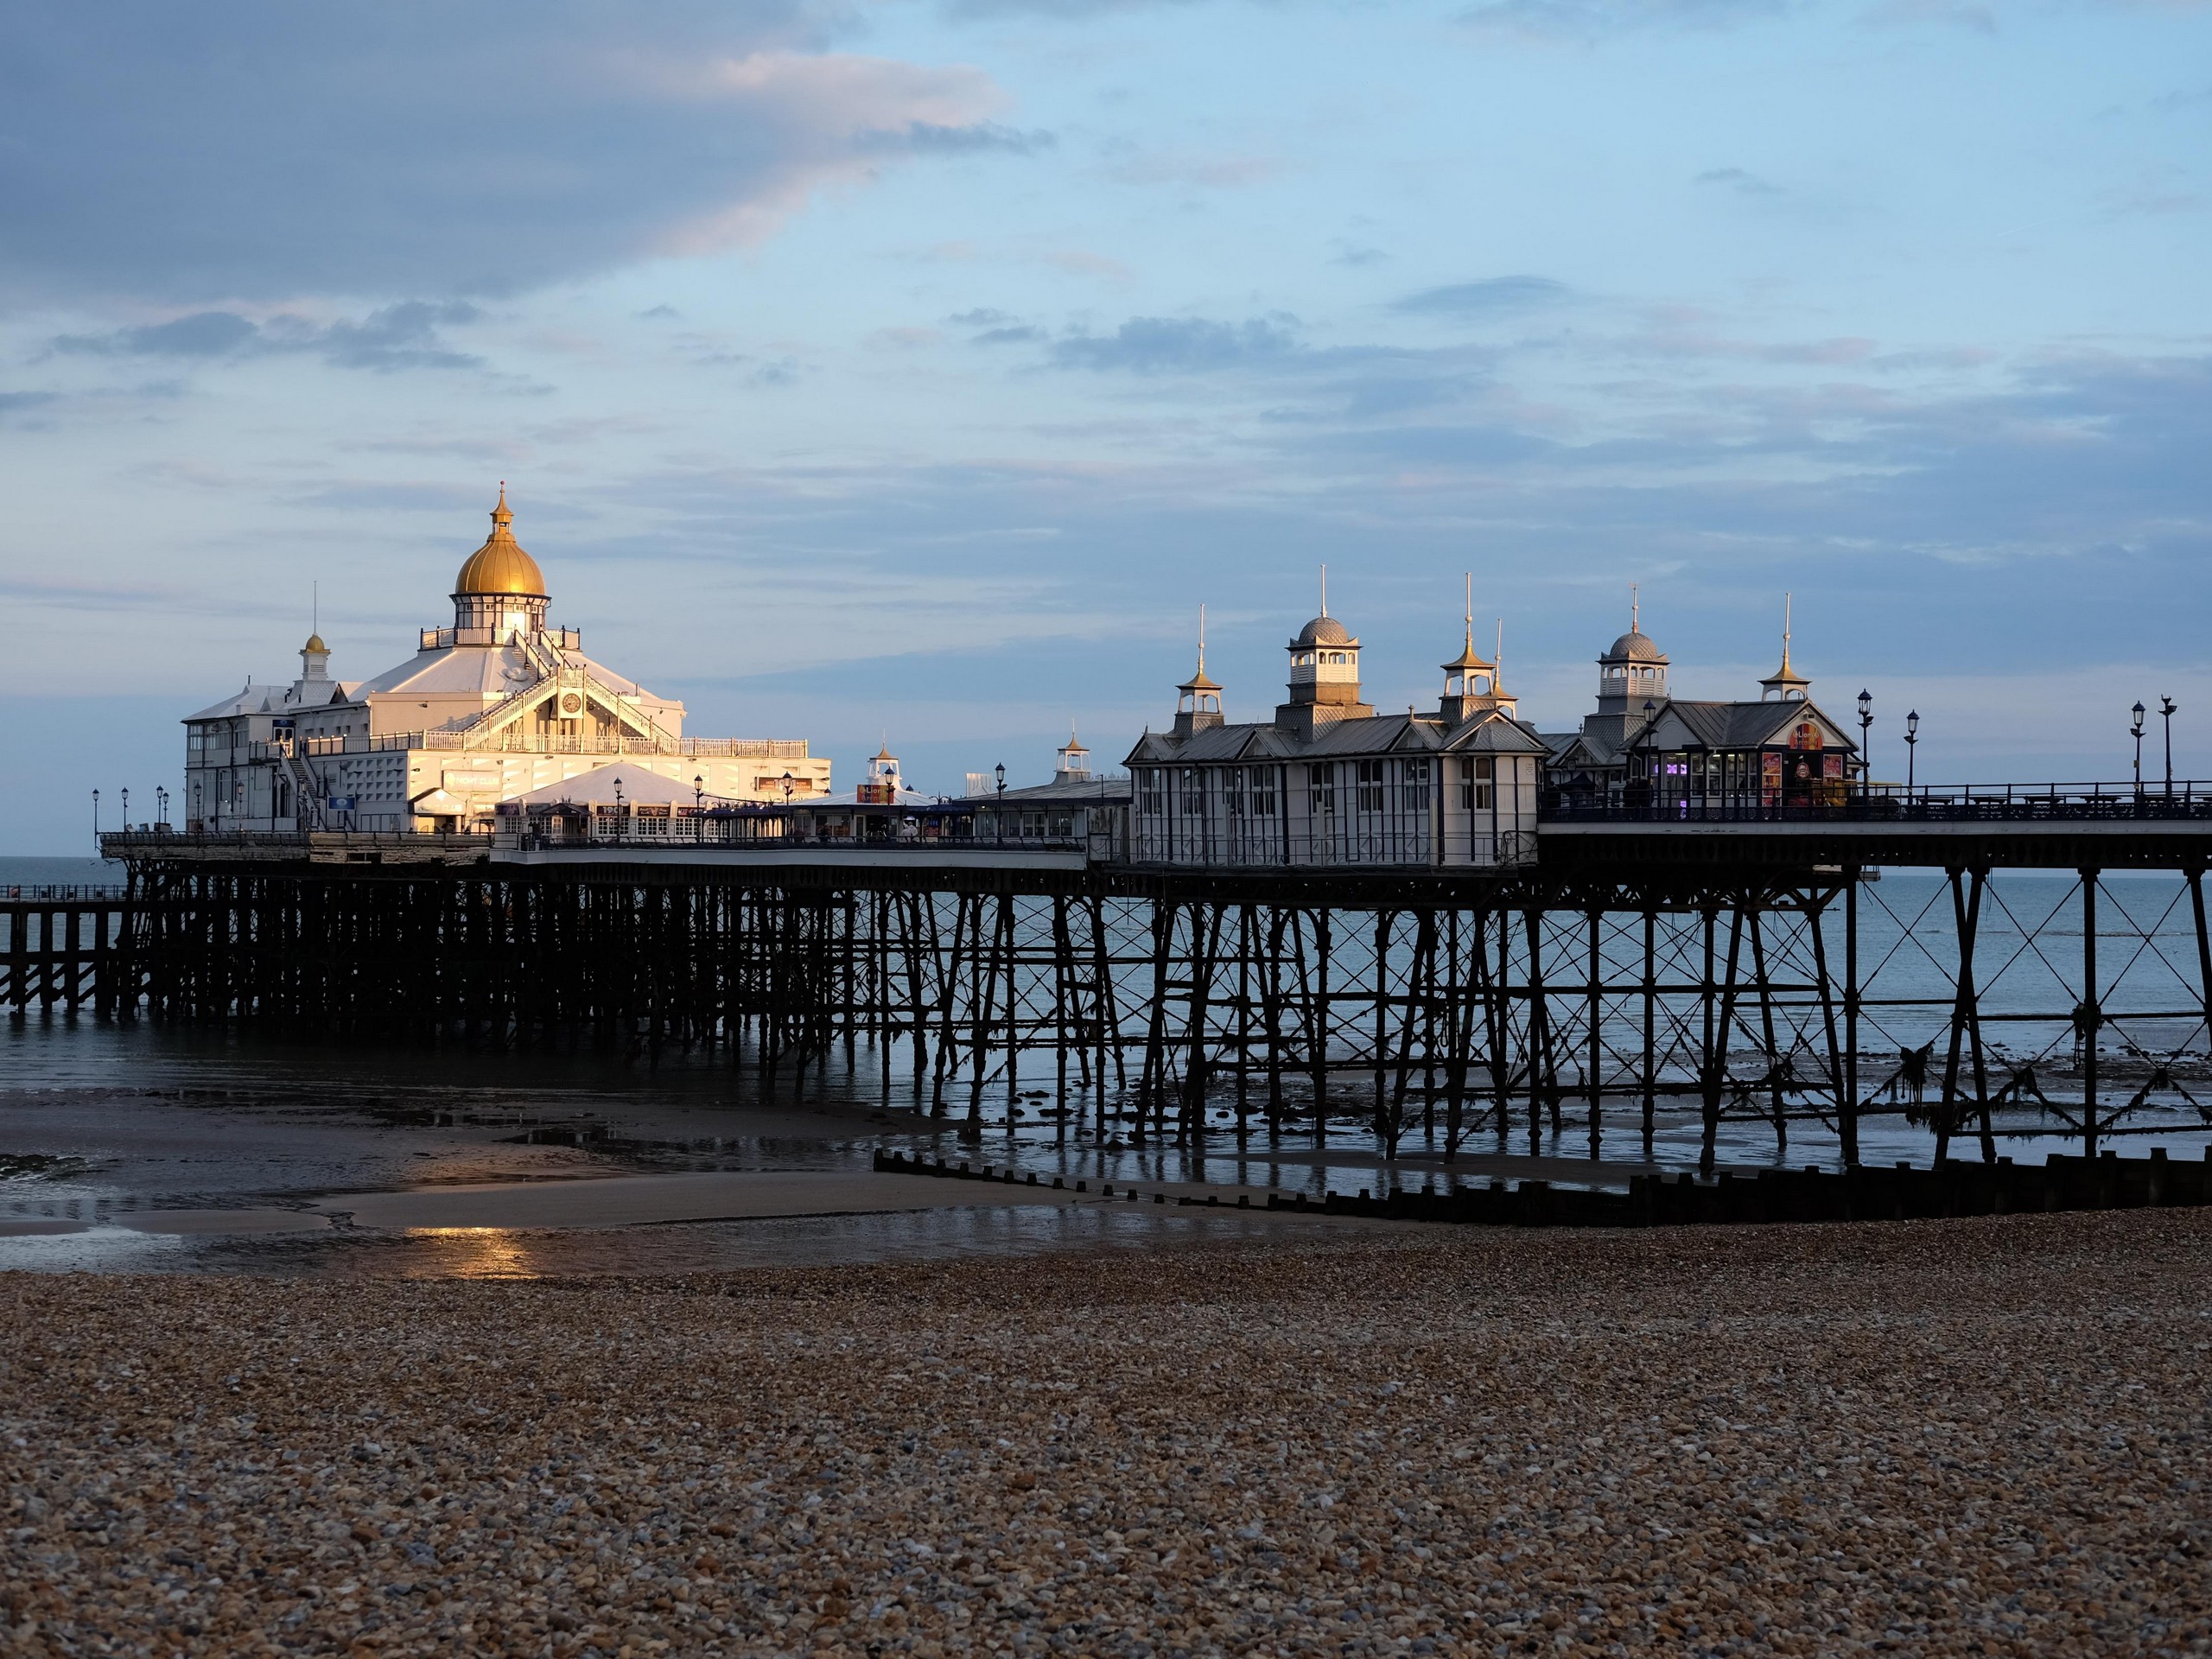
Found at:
[126, 811]
[2166, 707]
[999, 772]
[2136, 732]
[1865, 725]
[1912, 748]
[161, 805]
[699, 790]
[96, 821]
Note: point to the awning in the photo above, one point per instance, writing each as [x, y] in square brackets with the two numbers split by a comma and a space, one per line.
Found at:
[436, 804]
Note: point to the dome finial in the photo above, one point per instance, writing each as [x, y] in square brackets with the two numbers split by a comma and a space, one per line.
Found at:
[1785, 631]
[1635, 609]
[500, 516]
[1324, 590]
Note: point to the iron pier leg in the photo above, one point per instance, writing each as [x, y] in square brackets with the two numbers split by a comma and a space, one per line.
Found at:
[2091, 1014]
[1596, 1030]
[1650, 1027]
[1847, 1120]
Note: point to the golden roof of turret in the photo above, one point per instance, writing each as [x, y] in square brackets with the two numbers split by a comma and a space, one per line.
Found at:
[314, 643]
[1469, 657]
[500, 566]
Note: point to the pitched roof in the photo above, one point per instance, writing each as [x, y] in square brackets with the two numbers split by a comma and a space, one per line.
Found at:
[1743, 725]
[1488, 731]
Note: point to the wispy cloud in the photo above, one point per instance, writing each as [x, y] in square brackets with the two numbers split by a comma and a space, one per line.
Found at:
[1489, 296]
[1736, 179]
[1180, 346]
[1591, 18]
[395, 337]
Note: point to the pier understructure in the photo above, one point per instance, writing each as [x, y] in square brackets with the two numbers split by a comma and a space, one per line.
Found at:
[1980, 976]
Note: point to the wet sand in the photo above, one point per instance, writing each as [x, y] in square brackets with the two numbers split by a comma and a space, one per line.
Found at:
[1932, 1437]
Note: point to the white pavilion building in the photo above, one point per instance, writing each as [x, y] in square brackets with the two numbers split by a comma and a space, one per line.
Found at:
[494, 708]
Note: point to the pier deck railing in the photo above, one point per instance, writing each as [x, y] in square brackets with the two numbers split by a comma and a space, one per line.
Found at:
[1928, 803]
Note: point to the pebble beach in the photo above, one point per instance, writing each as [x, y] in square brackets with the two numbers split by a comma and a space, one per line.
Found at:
[1986, 1437]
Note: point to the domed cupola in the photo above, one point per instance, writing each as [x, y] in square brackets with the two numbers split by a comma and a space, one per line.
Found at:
[1633, 671]
[1324, 673]
[500, 590]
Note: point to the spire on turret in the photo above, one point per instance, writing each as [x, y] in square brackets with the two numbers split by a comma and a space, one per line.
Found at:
[1471, 683]
[1199, 704]
[1074, 766]
[1785, 684]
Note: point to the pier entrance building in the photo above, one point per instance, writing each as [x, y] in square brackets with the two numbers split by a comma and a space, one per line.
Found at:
[500, 705]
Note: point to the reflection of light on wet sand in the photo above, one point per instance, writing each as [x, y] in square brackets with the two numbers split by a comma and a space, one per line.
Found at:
[477, 1252]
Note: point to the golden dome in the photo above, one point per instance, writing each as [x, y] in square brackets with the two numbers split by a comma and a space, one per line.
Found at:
[314, 643]
[500, 566]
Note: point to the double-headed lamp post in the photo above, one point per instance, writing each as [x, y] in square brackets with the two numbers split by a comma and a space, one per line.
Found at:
[1912, 748]
[1865, 725]
[2136, 732]
[2166, 707]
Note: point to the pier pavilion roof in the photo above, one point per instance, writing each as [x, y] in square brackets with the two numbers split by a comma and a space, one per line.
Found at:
[1682, 725]
[1491, 731]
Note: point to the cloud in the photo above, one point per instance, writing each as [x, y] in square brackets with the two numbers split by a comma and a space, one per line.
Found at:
[927, 139]
[1589, 18]
[1017, 335]
[903, 340]
[14, 403]
[1491, 295]
[1736, 179]
[402, 336]
[261, 151]
[1176, 346]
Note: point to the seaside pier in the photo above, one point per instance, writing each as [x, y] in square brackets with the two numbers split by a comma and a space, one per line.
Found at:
[1447, 926]
[1982, 966]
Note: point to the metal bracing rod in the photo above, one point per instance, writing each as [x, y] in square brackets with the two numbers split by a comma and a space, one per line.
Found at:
[1318, 1040]
[1716, 1055]
[1816, 924]
[2195, 875]
[1205, 944]
[1246, 923]
[1381, 1047]
[1774, 1061]
[1966, 914]
[1272, 1015]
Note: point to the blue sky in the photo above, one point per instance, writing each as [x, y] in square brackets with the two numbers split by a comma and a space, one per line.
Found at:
[917, 369]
